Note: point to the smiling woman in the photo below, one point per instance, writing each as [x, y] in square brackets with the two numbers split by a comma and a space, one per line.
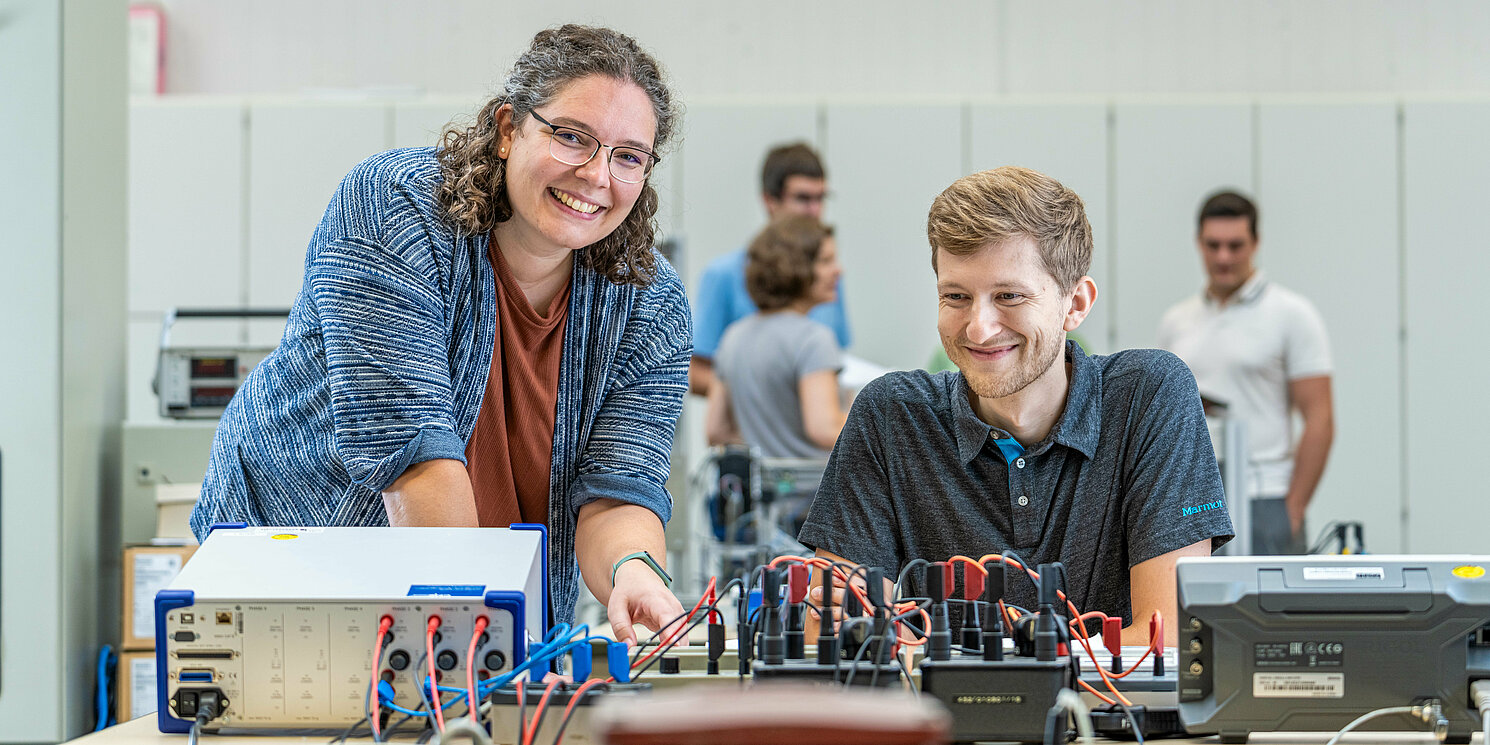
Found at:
[485, 335]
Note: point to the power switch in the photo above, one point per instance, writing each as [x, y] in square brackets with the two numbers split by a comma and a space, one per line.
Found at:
[187, 704]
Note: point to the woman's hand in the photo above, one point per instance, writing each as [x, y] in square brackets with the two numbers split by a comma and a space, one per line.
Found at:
[607, 531]
[639, 596]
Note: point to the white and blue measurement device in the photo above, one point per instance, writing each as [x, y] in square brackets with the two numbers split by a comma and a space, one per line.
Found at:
[280, 623]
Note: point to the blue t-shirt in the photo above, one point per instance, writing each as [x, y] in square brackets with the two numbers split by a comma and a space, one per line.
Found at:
[722, 299]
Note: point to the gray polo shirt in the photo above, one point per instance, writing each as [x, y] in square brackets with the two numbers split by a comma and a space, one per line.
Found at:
[1127, 474]
[762, 360]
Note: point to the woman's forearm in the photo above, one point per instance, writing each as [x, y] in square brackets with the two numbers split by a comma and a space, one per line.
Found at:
[608, 530]
[435, 493]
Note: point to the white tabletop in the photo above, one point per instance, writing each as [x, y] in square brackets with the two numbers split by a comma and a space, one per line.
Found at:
[143, 731]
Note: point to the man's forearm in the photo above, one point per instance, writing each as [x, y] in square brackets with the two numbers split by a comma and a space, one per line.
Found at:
[1308, 465]
[607, 530]
[435, 493]
[700, 375]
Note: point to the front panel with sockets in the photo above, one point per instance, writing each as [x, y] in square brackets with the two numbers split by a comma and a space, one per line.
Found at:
[297, 665]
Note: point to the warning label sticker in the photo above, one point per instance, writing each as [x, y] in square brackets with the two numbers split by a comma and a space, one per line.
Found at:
[1298, 685]
[1299, 654]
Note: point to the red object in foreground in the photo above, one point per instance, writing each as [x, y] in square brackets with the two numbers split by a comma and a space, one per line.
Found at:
[785, 712]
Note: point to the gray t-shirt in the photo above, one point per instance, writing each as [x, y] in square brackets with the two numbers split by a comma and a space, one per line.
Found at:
[761, 358]
[1126, 475]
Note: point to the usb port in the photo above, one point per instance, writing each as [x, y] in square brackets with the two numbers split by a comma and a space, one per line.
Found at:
[195, 675]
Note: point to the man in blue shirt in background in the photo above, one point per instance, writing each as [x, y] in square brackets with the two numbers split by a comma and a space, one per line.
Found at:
[792, 181]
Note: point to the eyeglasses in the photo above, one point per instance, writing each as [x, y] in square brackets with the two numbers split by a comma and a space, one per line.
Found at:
[572, 147]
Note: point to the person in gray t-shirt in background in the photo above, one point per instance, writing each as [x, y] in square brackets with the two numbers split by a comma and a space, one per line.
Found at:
[777, 369]
[1102, 463]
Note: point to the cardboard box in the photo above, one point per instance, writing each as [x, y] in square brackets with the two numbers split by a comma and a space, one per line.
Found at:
[173, 505]
[147, 570]
[136, 680]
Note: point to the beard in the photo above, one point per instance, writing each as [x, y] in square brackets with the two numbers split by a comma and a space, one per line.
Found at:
[1032, 359]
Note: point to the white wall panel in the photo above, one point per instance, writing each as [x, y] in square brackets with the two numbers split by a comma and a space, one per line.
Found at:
[298, 153]
[1447, 158]
[1166, 159]
[667, 180]
[886, 164]
[883, 48]
[187, 225]
[1327, 201]
[186, 207]
[143, 343]
[63, 150]
[419, 123]
[32, 650]
[719, 208]
[1067, 143]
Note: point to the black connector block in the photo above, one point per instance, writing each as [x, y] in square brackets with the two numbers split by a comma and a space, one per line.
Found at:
[716, 647]
[1048, 622]
[1153, 722]
[865, 640]
[1001, 701]
[773, 637]
[796, 623]
[993, 620]
[827, 637]
[745, 631]
[972, 634]
[939, 636]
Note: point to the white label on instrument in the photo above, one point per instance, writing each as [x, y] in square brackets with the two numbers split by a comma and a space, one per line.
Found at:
[1298, 685]
[1338, 574]
[257, 531]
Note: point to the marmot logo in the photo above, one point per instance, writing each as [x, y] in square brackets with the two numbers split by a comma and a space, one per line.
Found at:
[1208, 506]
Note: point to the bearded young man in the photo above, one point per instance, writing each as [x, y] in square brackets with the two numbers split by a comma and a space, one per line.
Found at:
[1102, 463]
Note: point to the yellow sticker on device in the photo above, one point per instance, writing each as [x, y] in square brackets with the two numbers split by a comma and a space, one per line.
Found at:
[1469, 571]
[285, 537]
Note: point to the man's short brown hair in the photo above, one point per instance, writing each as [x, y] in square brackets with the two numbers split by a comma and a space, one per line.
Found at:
[779, 264]
[994, 206]
[785, 161]
[1228, 204]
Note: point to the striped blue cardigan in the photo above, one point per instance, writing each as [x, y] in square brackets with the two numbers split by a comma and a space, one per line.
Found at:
[384, 362]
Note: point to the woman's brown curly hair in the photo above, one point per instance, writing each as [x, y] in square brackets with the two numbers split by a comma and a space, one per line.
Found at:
[473, 191]
[779, 266]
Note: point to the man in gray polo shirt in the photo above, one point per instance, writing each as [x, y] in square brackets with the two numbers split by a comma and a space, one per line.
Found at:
[1102, 463]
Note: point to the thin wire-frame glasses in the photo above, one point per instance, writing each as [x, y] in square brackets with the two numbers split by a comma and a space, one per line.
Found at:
[573, 147]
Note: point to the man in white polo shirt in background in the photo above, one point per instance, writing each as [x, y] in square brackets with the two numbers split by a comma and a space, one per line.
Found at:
[1262, 350]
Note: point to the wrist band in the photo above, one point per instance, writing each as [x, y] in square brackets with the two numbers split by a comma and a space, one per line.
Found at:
[667, 581]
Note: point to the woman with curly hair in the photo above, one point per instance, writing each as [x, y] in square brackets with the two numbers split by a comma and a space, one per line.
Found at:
[486, 336]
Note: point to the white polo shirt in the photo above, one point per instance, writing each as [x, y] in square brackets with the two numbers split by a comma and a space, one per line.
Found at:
[1245, 352]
